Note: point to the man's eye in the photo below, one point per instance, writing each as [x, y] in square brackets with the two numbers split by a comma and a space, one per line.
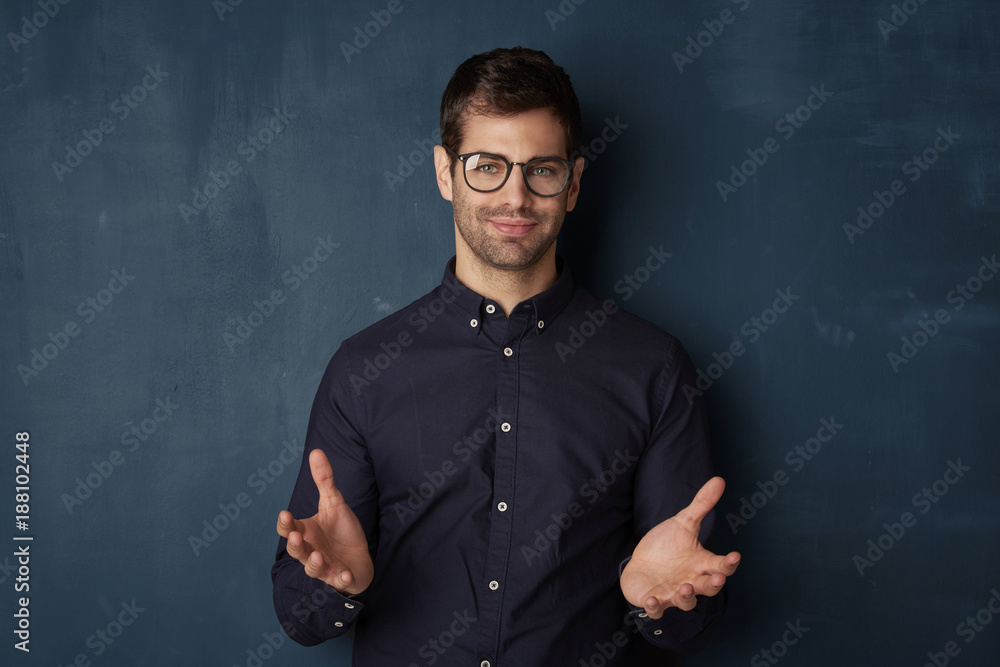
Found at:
[487, 168]
[542, 171]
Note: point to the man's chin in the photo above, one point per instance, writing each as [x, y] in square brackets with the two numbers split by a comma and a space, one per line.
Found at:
[513, 257]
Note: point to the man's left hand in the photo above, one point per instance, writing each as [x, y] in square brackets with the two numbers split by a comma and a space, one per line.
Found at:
[669, 567]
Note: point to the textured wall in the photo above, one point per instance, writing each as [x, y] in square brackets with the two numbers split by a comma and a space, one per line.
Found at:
[199, 200]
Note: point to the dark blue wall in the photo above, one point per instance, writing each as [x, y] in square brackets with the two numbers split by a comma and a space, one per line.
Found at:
[339, 161]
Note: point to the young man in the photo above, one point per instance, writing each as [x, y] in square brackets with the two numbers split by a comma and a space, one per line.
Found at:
[482, 484]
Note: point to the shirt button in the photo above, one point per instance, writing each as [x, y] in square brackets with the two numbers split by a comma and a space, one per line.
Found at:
[484, 663]
[541, 324]
[502, 506]
[490, 308]
[643, 614]
[509, 352]
[505, 427]
[349, 605]
[657, 632]
[339, 624]
[494, 585]
[474, 323]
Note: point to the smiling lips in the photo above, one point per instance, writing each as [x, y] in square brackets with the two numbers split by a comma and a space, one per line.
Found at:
[513, 227]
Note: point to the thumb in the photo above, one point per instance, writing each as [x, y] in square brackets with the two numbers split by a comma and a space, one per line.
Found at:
[706, 498]
[322, 475]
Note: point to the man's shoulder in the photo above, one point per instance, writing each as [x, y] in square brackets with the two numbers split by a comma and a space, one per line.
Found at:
[626, 339]
[400, 323]
[624, 323]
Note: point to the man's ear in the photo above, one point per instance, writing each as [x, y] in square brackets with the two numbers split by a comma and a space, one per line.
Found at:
[442, 169]
[574, 186]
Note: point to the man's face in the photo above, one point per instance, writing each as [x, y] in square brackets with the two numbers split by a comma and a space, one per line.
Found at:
[510, 229]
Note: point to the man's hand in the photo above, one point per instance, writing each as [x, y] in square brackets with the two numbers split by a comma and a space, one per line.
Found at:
[669, 566]
[331, 544]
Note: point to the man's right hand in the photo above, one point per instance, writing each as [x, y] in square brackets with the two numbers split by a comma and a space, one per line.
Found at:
[331, 544]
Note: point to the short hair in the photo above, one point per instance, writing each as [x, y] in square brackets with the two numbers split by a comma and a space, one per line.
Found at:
[503, 83]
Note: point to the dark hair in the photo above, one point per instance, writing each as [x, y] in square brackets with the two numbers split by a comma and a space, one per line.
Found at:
[504, 83]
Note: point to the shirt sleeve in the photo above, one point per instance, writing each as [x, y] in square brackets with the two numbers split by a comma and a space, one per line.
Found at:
[310, 611]
[674, 465]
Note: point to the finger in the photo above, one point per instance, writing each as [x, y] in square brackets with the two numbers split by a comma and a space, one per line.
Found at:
[709, 584]
[725, 565]
[686, 597]
[322, 474]
[314, 565]
[297, 547]
[332, 573]
[287, 524]
[659, 599]
[731, 562]
[653, 607]
[706, 498]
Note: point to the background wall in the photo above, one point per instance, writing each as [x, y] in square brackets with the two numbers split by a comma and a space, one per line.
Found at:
[167, 166]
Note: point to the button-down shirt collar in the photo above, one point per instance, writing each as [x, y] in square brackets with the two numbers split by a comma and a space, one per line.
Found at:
[543, 307]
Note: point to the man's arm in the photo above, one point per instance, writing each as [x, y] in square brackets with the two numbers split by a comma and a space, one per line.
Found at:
[671, 582]
[328, 536]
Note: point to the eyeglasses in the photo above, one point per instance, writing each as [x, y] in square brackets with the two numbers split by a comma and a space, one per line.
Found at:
[487, 172]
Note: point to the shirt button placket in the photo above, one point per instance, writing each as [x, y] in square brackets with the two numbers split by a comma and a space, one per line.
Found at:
[500, 536]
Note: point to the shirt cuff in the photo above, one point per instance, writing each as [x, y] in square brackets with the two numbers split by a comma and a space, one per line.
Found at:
[320, 612]
[340, 611]
[684, 632]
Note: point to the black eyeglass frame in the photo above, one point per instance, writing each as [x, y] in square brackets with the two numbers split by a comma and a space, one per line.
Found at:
[524, 171]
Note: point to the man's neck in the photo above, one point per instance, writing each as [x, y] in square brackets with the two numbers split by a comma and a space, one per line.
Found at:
[507, 288]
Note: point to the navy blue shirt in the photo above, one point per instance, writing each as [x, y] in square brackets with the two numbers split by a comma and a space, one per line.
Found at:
[503, 470]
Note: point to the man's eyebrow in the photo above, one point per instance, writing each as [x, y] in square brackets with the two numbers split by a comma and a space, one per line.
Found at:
[537, 157]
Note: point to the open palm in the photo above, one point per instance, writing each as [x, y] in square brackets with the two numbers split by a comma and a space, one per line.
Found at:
[331, 544]
[669, 567]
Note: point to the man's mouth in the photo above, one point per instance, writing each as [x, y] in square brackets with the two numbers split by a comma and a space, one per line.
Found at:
[513, 226]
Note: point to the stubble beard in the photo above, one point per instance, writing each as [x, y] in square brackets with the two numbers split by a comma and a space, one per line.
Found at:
[510, 254]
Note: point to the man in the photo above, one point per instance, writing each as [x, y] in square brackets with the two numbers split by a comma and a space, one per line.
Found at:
[479, 486]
